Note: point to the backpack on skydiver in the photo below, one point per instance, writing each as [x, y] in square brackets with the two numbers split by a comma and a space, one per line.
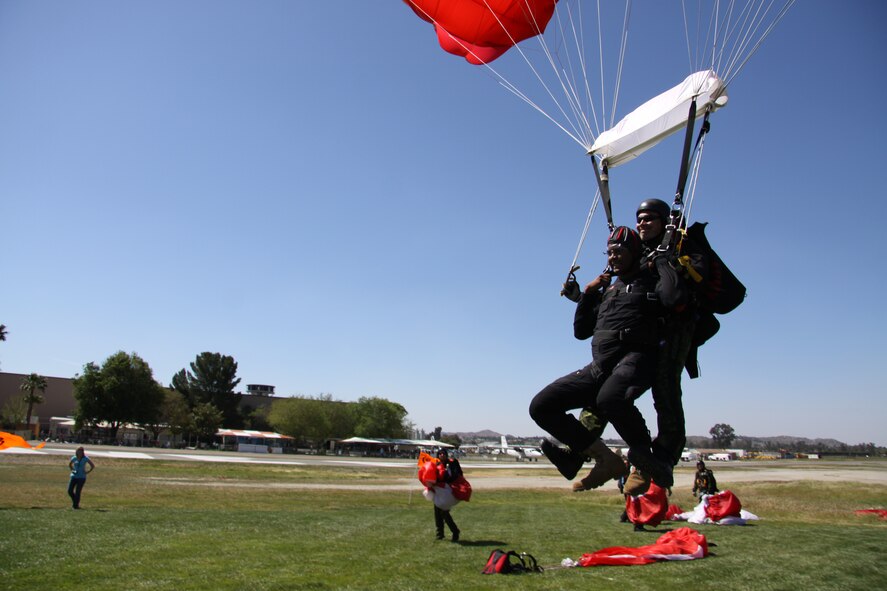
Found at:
[721, 292]
[500, 562]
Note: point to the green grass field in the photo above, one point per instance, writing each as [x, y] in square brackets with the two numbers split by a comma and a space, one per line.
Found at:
[206, 526]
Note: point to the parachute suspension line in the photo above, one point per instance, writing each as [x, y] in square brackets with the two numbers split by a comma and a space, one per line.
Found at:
[711, 36]
[566, 75]
[697, 165]
[588, 101]
[743, 30]
[508, 85]
[714, 31]
[692, 59]
[719, 28]
[684, 212]
[573, 266]
[515, 91]
[600, 42]
[685, 154]
[619, 66]
[575, 133]
[782, 12]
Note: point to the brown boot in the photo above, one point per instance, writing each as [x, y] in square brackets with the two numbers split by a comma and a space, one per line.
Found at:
[636, 484]
[607, 466]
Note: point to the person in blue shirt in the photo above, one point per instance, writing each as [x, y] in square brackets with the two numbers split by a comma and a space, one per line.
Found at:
[80, 466]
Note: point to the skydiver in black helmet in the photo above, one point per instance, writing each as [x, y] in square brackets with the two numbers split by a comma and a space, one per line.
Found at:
[653, 215]
[624, 320]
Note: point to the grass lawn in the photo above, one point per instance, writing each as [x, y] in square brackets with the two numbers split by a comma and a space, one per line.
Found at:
[205, 526]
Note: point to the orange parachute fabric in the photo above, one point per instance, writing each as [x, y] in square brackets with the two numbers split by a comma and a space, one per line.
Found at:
[482, 30]
[10, 440]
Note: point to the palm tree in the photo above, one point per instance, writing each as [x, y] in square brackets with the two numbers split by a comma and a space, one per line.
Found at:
[30, 385]
[2, 332]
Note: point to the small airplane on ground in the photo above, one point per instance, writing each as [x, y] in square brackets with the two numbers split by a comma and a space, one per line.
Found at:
[520, 452]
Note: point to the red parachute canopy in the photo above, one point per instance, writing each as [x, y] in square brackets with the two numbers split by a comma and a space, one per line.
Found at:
[482, 30]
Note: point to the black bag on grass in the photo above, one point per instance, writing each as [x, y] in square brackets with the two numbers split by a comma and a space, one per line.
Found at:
[500, 562]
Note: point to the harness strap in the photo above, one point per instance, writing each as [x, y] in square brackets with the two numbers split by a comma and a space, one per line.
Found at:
[640, 335]
[685, 263]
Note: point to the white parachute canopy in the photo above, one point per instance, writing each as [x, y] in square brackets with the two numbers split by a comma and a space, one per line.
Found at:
[658, 118]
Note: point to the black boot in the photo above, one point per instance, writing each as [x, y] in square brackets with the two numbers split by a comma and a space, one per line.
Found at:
[659, 471]
[568, 463]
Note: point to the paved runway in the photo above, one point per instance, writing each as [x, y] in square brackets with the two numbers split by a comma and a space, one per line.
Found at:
[483, 473]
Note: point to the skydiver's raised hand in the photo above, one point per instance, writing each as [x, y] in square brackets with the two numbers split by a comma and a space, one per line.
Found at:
[571, 290]
[600, 282]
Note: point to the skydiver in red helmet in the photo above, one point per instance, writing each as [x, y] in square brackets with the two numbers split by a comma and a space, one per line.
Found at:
[678, 342]
[625, 319]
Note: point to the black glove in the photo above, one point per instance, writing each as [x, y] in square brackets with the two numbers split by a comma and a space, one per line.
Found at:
[571, 290]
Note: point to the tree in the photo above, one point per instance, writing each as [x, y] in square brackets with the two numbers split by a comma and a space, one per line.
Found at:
[722, 434]
[13, 412]
[255, 418]
[121, 391]
[212, 380]
[175, 412]
[2, 332]
[29, 386]
[377, 417]
[453, 439]
[314, 419]
[205, 421]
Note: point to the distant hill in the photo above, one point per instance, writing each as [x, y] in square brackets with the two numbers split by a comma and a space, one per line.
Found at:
[774, 442]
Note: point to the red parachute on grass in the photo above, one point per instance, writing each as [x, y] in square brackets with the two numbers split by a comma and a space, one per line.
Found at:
[649, 508]
[681, 544]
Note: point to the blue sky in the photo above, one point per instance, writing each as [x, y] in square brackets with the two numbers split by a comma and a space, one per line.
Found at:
[322, 193]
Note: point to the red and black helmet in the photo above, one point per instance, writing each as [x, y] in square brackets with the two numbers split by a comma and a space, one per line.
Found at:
[627, 238]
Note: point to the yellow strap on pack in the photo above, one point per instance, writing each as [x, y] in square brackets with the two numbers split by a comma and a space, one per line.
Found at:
[685, 262]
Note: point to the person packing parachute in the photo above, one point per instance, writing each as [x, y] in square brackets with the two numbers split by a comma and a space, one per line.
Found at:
[445, 486]
[624, 320]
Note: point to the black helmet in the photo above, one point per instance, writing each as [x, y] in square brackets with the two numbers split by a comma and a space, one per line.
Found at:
[626, 237]
[657, 206]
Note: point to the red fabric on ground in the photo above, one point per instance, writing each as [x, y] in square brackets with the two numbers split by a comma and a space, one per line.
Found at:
[681, 544]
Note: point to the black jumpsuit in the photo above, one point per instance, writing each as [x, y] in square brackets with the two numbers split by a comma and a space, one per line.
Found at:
[625, 323]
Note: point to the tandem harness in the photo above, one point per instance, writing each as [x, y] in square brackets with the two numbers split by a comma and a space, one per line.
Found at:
[647, 333]
[640, 335]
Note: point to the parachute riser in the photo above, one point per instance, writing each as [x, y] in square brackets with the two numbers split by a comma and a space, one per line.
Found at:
[677, 208]
[603, 182]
